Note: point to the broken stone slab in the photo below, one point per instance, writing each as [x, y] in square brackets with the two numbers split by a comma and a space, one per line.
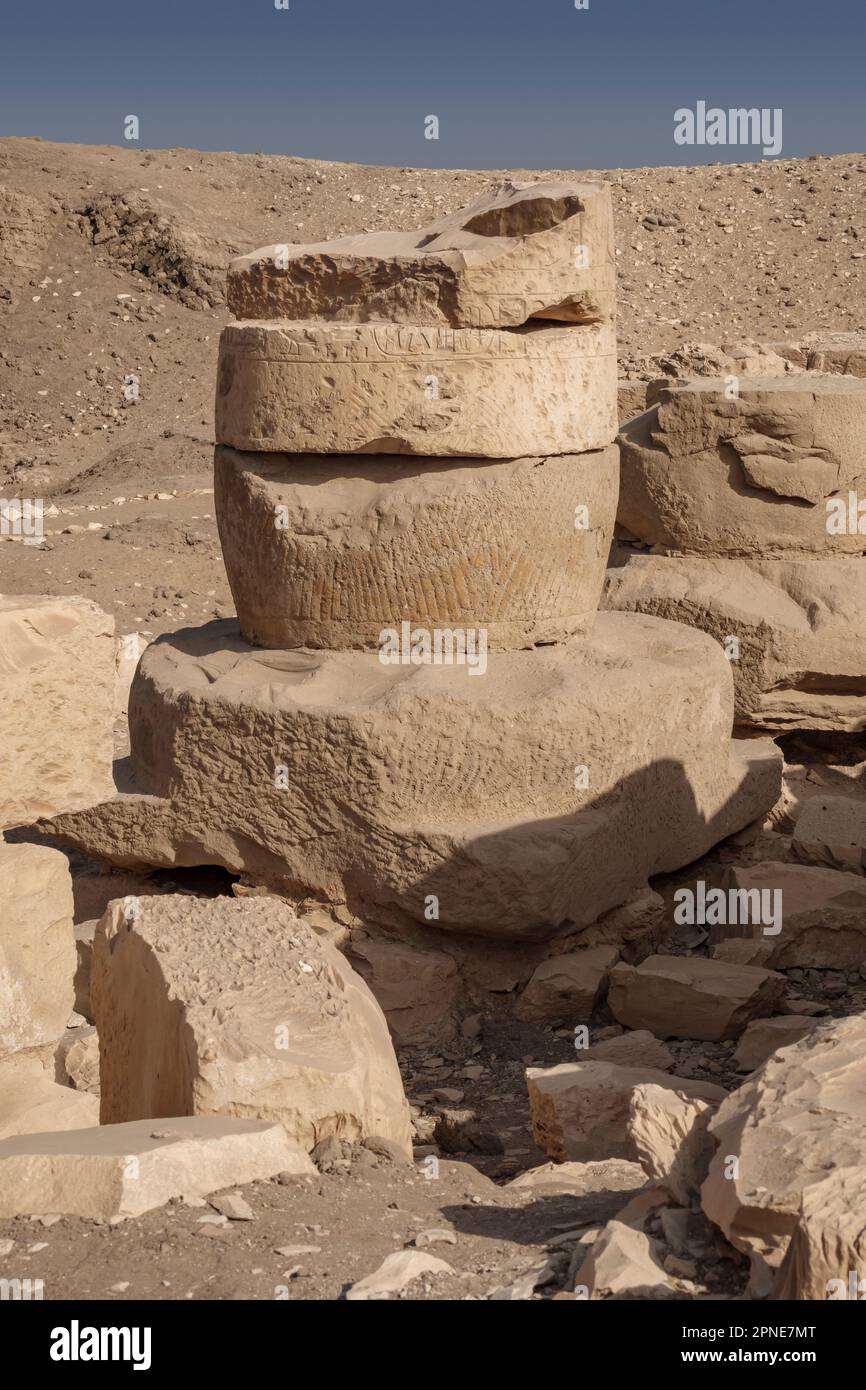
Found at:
[31, 1101]
[580, 1110]
[821, 913]
[123, 1170]
[37, 946]
[526, 251]
[57, 665]
[77, 1059]
[567, 987]
[552, 829]
[623, 1262]
[417, 990]
[232, 1006]
[670, 1134]
[831, 830]
[313, 388]
[615, 1175]
[705, 474]
[691, 997]
[794, 630]
[637, 1048]
[797, 1122]
[826, 1256]
[764, 1036]
[338, 553]
[395, 1273]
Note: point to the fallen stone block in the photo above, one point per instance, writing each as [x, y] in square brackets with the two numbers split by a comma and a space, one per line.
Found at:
[822, 916]
[568, 987]
[826, 1255]
[32, 1102]
[550, 831]
[831, 830]
[232, 1006]
[623, 1262]
[795, 630]
[417, 990]
[636, 1048]
[395, 1273]
[580, 1110]
[797, 1122]
[705, 474]
[37, 946]
[764, 1036]
[669, 1132]
[126, 1169]
[336, 553]
[57, 665]
[77, 1059]
[690, 997]
[526, 251]
[374, 388]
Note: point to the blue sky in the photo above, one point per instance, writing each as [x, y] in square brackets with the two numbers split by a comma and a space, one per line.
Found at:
[514, 83]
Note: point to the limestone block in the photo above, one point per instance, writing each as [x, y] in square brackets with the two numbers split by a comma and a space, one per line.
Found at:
[799, 628]
[764, 1036]
[797, 1122]
[580, 1110]
[417, 990]
[704, 474]
[527, 799]
[384, 389]
[528, 250]
[669, 1132]
[232, 1006]
[636, 1048]
[330, 553]
[37, 946]
[831, 830]
[125, 1169]
[691, 997]
[826, 1257]
[31, 1102]
[56, 706]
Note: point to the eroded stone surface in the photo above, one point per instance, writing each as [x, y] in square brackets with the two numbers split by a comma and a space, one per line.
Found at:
[540, 250]
[331, 553]
[233, 1007]
[385, 389]
[455, 786]
[56, 706]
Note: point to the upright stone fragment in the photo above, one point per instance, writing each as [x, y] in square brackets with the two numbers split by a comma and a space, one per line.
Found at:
[37, 946]
[526, 251]
[234, 1007]
[549, 829]
[56, 706]
[796, 1123]
[123, 1170]
[332, 553]
[704, 473]
[358, 388]
[669, 1132]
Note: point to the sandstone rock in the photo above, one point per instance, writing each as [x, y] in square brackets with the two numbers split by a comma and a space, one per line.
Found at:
[416, 990]
[669, 1132]
[78, 1059]
[234, 1007]
[795, 1123]
[635, 1049]
[84, 934]
[567, 987]
[706, 475]
[831, 830]
[37, 946]
[31, 1102]
[837, 352]
[826, 1257]
[764, 1036]
[799, 626]
[616, 1175]
[635, 927]
[624, 1262]
[329, 553]
[57, 664]
[395, 1273]
[580, 1110]
[514, 848]
[126, 1169]
[690, 997]
[823, 915]
[383, 389]
[539, 250]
